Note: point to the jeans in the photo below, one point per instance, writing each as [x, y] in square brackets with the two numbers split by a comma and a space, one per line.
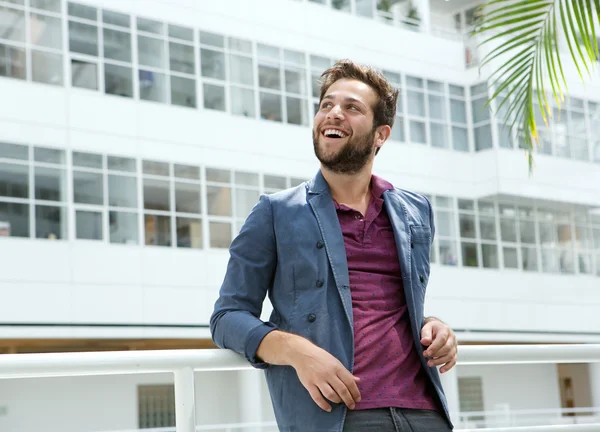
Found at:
[395, 420]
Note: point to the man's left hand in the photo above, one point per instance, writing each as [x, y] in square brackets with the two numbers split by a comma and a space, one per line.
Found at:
[441, 344]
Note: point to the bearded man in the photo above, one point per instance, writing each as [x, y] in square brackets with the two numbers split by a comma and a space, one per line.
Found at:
[344, 260]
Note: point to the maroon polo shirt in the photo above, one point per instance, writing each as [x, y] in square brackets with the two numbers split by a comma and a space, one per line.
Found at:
[385, 357]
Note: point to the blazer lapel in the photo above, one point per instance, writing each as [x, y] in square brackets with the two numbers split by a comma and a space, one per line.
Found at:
[321, 202]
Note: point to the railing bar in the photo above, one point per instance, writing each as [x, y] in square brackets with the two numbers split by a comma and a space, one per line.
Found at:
[185, 400]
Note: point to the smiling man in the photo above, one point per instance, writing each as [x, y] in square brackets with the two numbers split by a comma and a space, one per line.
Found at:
[344, 260]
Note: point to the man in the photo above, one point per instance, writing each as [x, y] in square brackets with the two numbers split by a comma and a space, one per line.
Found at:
[344, 260]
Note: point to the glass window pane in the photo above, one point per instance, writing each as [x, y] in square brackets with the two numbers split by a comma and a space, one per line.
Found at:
[274, 182]
[157, 195]
[87, 160]
[14, 220]
[469, 254]
[270, 106]
[46, 68]
[218, 175]
[315, 79]
[157, 230]
[117, 45]
[583, 237]
[179, 32]
[448, 252]
[527, 230]
[445, 223]
[117, 163]
[212, 39]
[417, 132]
[88, 188]
[465, 204]
[481, 113]
[83, 11]
[437, 107]
[14, 180]
[245, 178]
[547, 233]
[123, 227]
[398, 130]
[268, 77]
[240, 45]
[214, 97]
[459, 111]
[268, 52]
[296, 181]
[297, 112]
[416, 103]
[508, 230]
[295, 81]
[343, 5]
[438, 136]
[490, 255]
[511, 258]
[84, 74]
[83, 38]
[115, 18]
[483, 138]
[151, 52]
[414, 82]
[242, 102]
[187, 171]
[529, 258]
[155, 168]
[467, 226]
[182, 58]
[14, 151]
[457, 90]
[122, 191]
[435, 86]
[220, 235]
[45, 31]
[88, 225]
[13, 24]
[183, 92]
[550, 261]
[504, 136]
[296, 57]
[12, 62]
[218, 200]
[150, 26]
[479, 89]
[245, 200]
[460, 139]
[566, 261]
[50, 184]
[153, 86]
[50, 222]
[241, 70]
[487, 227]
[48, 155]
[189, 233]
[585, 263]
[212, 64]
[118, 80]
[187, 198]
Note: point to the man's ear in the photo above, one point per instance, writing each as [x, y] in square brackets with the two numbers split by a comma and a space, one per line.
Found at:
[381, 135]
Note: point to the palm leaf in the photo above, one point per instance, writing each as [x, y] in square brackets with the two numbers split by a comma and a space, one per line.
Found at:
[524, 40]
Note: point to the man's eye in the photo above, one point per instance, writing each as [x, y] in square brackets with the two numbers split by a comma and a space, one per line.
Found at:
[353, 108]
[326, 105]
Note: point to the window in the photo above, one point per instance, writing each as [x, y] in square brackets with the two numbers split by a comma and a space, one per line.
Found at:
[219, 203]
[157, 203]
[470, 394]
[398, 128]
[318, 65]
[458, 118]
[50, 193]
[88, 195]
[481, 117]
[213, 70]
[156, 406]
[241, 77]
[415, 102]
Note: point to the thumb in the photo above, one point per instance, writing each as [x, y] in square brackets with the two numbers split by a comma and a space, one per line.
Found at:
[426, 335]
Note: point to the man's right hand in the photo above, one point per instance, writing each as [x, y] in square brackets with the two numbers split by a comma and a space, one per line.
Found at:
[323, 376]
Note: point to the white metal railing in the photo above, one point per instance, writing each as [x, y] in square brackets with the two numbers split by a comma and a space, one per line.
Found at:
[183, 363]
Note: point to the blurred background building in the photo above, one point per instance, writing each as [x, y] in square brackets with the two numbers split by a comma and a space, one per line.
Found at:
[135, 137]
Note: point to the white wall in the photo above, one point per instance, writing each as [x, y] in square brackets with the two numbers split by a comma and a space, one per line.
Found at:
[105, 403]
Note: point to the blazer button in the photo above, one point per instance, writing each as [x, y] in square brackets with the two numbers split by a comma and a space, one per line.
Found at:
[311, 318]
[320, 244]
[319, 283]
[412, 245]
[422, 278]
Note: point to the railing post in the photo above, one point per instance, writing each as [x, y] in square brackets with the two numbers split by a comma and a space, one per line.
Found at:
[450, 385]
[185, 401]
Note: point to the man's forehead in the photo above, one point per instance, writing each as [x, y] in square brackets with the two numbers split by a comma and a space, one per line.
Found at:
[351, 89]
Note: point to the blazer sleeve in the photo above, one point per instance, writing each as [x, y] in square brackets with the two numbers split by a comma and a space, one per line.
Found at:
[431, 221]
[235, 322]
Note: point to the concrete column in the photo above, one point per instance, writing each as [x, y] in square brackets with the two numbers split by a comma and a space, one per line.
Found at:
[424, 9]
[450, 386]
[594, 375]
[250, 398]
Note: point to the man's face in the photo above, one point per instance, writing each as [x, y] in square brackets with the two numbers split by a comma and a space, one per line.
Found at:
[343, 134]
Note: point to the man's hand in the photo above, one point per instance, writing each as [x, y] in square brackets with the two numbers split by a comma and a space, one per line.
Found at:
[324, 376]
[441, 344]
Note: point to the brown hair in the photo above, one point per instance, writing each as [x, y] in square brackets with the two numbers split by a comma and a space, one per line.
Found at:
[385, 109]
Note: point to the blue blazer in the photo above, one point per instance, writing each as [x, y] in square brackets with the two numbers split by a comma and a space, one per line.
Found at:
[291, 249]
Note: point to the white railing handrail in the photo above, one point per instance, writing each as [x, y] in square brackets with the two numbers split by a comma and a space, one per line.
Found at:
[183, 363]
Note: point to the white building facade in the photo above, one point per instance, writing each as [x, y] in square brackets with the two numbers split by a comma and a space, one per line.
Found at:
[135, 137]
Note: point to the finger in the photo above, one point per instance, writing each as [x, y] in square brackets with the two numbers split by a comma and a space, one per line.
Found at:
[447, 349]
[330, 393]
[440, 360]
[440, 340]
[448, 366]
[343, 392]
[350, 381]
[318, 398]
[426, 335]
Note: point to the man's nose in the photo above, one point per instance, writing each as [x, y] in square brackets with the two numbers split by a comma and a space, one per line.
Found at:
[335, 112]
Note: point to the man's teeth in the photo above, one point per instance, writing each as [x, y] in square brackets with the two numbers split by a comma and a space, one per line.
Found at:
[330, 132]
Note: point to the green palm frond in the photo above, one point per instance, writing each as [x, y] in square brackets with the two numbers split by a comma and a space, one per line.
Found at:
[525, 35]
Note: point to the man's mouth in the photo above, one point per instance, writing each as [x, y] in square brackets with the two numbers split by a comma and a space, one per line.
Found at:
[334, 133]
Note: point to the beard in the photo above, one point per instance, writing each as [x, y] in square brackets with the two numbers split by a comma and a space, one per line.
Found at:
[351, 158]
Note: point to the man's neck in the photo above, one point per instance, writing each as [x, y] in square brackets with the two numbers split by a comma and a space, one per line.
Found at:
[352, 190]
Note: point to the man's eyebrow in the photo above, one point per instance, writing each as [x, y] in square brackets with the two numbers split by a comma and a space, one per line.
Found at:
[346, 99]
